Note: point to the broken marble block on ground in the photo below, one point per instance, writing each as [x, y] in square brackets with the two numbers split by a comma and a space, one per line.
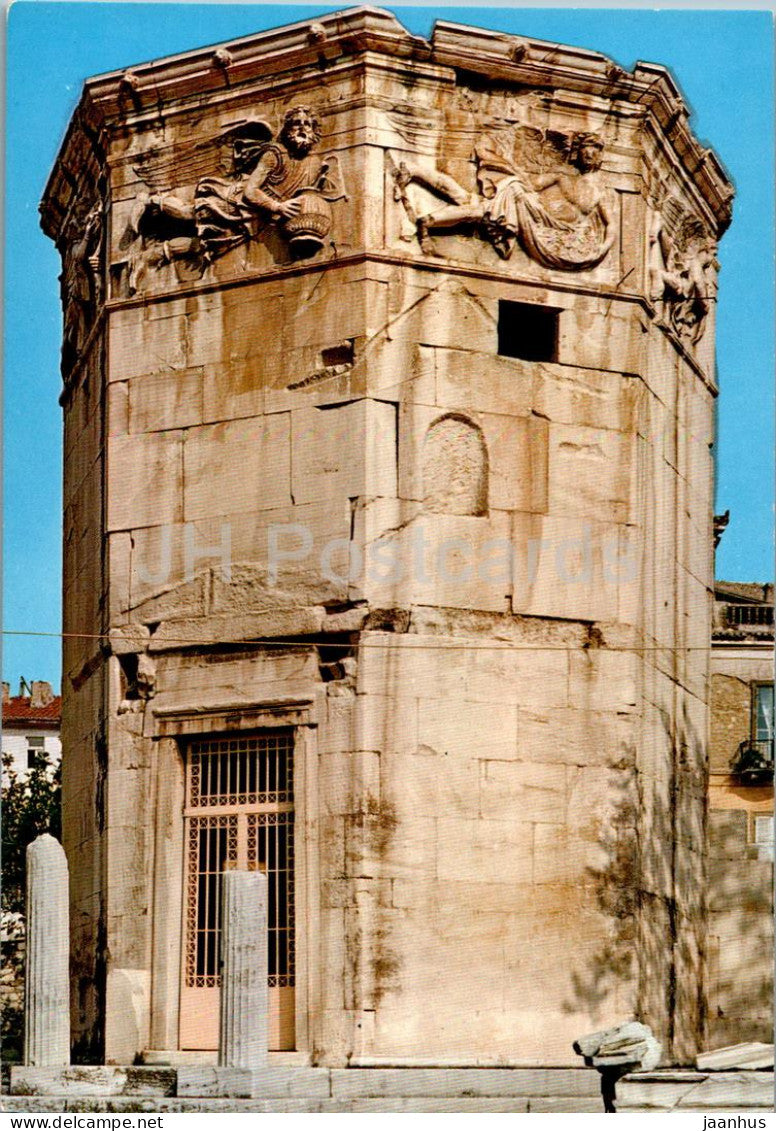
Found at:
[630, 1046]
[616, 1052]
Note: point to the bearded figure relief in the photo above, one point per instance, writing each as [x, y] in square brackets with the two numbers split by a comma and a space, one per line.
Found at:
[279, 182]
[539, 189]
[682, 259]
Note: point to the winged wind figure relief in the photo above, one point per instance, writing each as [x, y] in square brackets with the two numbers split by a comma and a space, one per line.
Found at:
[681, 260]
[192, 216]
[537, 188]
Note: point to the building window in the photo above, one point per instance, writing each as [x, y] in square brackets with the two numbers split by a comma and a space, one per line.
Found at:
[762, 712]
[761, 834]
[763, 829]
[527, 331]
[36, 746]
[753, 761]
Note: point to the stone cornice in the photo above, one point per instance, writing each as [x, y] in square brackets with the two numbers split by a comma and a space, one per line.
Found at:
[535, 63]
[111, 101]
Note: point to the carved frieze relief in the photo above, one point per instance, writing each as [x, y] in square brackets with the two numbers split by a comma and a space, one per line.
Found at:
[81, 280]
[539, 189]
[193, 214]
[682, 267]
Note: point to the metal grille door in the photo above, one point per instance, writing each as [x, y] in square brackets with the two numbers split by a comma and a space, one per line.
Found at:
[271, 848]
[239, 814]
[212, 847]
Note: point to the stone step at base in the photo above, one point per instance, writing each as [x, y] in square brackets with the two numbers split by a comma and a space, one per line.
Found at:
[93, 1080]
[207, 1089]
[305, 1082]
[696, 1091]
[392, 1105]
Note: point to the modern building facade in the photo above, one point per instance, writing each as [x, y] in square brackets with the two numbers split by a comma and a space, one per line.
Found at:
[389, 387]
[31, 725]
[740, 838]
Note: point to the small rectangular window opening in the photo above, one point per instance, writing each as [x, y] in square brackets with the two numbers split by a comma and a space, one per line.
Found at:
[36, 746]
[341, 354]
[528, 331]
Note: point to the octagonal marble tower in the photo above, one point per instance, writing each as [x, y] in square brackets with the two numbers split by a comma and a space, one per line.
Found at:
[389, 388]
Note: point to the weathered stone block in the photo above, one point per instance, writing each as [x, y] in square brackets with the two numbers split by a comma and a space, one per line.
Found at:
[145, 480]
[386, 719]
[141, 342]
[534, 677]
[238, 465]
[566, 565]
[602, 679]
[447, 560]
[397, 664]
[553, 846]
[130, 640]
[534, 790]
[486, 383]
[462, 729]
[693, 1091]
[256, 1083]
[161, 401]
[590, 473]
[573, 736]
[90, 1080]
[449, 316]
[431, 781]
[349, 780]
[485, 849]
[236, 627]
[343, 452]
[401, 370]
[186, 681]
[380, 842]
[593, 335]
[128, 988]
[587, 398]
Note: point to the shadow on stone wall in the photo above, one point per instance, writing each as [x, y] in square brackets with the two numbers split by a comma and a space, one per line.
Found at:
[741, 934]
[616, 885]
[650, 888]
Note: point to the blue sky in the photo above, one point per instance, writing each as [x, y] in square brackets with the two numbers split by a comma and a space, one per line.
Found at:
[722, 61]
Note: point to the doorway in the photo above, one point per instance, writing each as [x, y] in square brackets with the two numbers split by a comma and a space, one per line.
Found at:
[239, 813]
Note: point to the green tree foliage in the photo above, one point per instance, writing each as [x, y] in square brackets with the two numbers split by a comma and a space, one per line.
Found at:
[31, 806]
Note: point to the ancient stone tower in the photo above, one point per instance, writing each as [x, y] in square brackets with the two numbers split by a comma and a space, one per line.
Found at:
[389, 384]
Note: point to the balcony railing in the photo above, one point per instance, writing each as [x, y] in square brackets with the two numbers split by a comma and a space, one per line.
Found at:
[753, 762]
[749, 614]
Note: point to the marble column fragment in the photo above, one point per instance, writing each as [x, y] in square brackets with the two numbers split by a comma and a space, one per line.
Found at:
[243, 1035]
[46, 983]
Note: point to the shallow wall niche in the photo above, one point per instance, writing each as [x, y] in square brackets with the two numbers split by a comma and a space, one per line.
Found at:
[455, 467]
